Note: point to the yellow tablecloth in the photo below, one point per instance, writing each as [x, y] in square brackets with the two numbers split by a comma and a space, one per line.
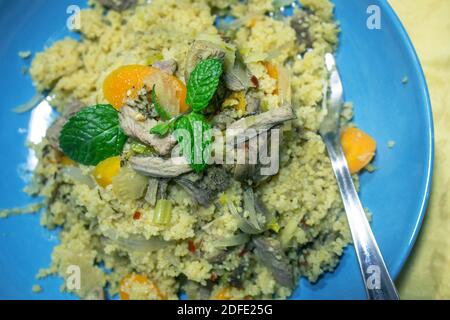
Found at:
[427, 272]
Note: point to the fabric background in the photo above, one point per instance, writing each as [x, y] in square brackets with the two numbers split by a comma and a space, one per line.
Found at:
[427, 272]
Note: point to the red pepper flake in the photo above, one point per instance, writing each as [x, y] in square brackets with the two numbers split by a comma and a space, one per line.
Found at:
[255, 81]
[191, 246]
[136, 215]
[243, 253]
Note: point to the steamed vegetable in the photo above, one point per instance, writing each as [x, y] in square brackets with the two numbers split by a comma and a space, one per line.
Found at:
[106, 170]
[125, 80]
[163, 212]
[163, 114]
[141, 286]
[171, 91]
[232, 241]
[93, 135]
[359, 148]
[77, 175]
[128, 185]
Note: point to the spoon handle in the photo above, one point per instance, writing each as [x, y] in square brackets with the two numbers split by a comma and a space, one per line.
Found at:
[377, 281]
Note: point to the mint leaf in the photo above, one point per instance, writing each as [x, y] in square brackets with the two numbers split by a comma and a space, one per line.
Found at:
[197, 147]
[161, 129]
[93, 135]
[203, 83]
[164, 115]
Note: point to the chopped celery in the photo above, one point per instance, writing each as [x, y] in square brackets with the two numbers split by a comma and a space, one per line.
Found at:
[142, 149]
[163, 212]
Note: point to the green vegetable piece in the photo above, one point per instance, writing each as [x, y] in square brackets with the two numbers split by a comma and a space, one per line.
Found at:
[161, 129]
[203, 83]
[164, 115]
[93, 135]
[140, 148]
[197, 148]
[163, 212]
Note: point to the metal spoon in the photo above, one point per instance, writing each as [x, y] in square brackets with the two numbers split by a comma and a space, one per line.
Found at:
[377, 281]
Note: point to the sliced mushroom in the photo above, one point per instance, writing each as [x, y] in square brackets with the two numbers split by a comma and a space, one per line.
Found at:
[168, 66]
[118, 5]
[201, 50]
[268, 251]
[160, 168]
[54, 131]
[140, 129]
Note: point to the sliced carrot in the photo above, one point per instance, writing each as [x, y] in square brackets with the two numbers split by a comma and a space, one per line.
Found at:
[125, 80]
[142, 281]
[359, 148]
[170, 90]
[106, 170]
[272, 70]
[223, 294]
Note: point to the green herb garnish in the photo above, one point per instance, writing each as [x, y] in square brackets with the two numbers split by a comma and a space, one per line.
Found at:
[203, 83]
[196, 149]
[201, 87]
[163, 114]
[93, 135]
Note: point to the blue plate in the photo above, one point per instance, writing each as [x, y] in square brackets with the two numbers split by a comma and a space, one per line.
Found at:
[373, 64]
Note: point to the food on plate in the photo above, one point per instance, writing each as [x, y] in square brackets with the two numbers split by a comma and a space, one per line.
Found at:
[150, 99]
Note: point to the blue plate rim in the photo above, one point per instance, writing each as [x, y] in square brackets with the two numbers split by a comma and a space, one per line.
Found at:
[425, 96]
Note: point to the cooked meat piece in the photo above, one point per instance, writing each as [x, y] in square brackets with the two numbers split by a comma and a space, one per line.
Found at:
[151, 195]
[54, 131]
[239, 77]
[168, 66]
[237, 277]
[206, 188]
[242, 129]
[159, 167]
[140, 130]
[268, 251]
[260, 146]
[245, 171]
[201, 50]
[118, 5]
[162, 189]
[253, 103]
